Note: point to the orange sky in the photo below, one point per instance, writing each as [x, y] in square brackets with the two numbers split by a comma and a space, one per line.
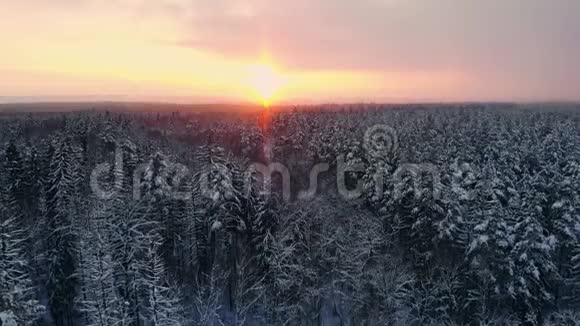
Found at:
[303, 50]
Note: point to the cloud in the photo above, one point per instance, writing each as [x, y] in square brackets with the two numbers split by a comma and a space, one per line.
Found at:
[525, 45]
[509, 48]
[394, 35]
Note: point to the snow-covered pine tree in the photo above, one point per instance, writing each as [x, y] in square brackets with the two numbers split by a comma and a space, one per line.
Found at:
[31, 181]
[208, 298]
[130, 162]
[14, 192]
[174, 231]
[433, 300]
[212, 187]
[13, 166]
[61, 242]
[129, 227]
[295, 295]
[563, 318]
[107, 133]
[251, 142]
[155, 181]
[156, 192]
[575, 274]
[98, 300]
[250, 223]
[417, 210]
[251, 214]
[533, 269]
[558, 200]
[381, 159]
[460, 180]
[17, 295]
[111, 244]
[166, 188]
[488, 253]
[382, 285]
[161, 303]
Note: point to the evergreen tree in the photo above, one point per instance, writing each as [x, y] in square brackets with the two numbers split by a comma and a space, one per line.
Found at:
[533, 269]
[161, 306]
[557, 201]
[417, 213]
[129, 227]
[99, 300]
[61, 240]
[488, 253]
[212, 188]
[17, 295]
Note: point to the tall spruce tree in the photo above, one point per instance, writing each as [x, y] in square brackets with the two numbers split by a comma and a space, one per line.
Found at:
[18, 302]
[61, 242]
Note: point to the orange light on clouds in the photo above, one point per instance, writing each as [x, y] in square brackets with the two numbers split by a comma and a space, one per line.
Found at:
[50, 59]
[183, 50]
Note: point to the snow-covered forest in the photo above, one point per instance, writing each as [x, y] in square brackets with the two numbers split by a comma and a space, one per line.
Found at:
[182, 232]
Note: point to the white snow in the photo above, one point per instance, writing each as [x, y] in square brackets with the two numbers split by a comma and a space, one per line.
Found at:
[216, 225]
[483, 239]
[557, 205]
[7, 318]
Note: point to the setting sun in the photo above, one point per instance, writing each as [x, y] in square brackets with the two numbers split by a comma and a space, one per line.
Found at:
[265, 82]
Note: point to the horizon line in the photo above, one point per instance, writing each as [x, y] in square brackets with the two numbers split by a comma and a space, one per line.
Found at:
[90, 100]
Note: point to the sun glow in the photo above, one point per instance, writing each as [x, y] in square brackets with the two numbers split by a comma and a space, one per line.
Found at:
[266, 82]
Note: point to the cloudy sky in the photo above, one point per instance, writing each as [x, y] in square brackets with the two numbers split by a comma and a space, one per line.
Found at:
[299, 50]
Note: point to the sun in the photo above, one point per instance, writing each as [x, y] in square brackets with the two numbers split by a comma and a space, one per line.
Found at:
[266, 82]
